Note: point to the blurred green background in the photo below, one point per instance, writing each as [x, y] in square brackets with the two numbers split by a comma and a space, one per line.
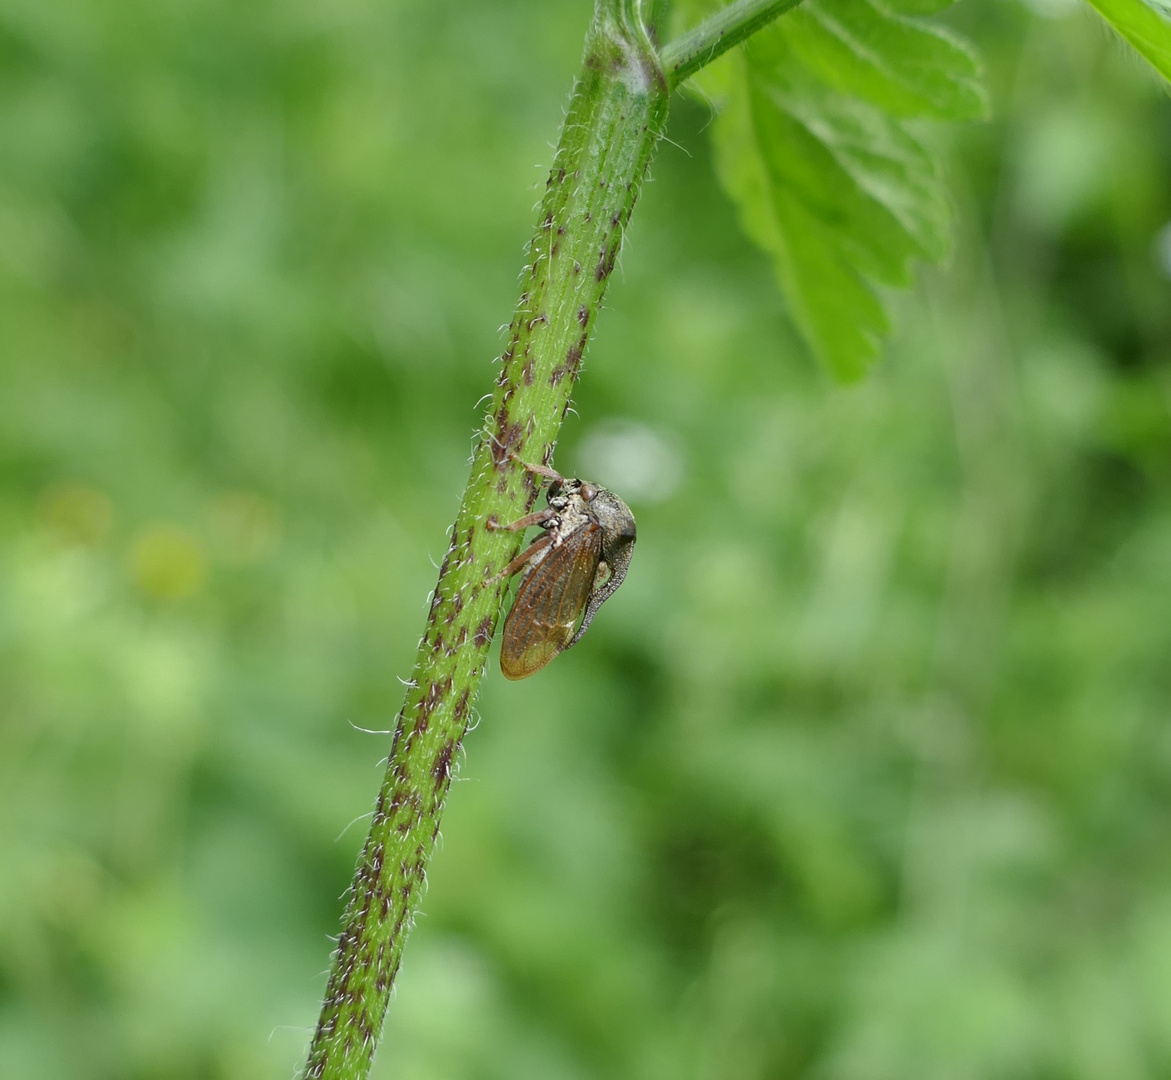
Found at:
[866, 772]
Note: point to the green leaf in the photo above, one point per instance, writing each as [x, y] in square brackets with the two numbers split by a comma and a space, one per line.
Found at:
[1147, 26]
[918, 7]
[902, 65]
[820, 146]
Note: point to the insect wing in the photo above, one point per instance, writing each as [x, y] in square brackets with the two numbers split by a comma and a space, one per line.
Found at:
[549, 603]
[619, 563]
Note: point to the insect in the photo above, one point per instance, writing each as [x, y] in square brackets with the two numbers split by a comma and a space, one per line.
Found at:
[569, 572]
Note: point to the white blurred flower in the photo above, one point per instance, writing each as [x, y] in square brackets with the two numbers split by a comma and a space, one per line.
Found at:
[639, 463]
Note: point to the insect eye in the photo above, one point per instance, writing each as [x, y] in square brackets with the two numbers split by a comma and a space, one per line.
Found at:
[589, 491]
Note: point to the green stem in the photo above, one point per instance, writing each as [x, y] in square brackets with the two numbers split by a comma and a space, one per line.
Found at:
[615, 118]
[716, 35]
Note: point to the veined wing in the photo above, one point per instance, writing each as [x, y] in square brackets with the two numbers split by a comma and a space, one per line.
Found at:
[549, 603]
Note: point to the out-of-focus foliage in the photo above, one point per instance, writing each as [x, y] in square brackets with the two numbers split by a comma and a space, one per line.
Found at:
[865, 774]
[819, 142]
[1146, 24]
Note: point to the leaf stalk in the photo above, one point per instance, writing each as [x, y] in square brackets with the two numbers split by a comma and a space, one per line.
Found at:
[717, 34]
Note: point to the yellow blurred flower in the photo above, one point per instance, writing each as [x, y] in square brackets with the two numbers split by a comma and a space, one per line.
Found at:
[168, 562]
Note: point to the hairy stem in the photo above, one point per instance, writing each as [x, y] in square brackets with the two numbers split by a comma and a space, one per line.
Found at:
[615, 117]
[716, 35]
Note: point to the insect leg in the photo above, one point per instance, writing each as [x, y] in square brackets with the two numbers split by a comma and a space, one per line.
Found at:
[537, 545]
[542, 470]
[538, 470]
[538, 518]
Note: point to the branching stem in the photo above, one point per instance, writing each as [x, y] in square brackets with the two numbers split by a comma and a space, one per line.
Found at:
[615, 118]
[716, 35]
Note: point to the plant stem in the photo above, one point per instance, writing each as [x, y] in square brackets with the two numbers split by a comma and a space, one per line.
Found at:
[716, 35]
[615, 117]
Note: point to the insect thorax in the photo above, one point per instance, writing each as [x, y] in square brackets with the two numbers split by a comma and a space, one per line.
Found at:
[572, 511]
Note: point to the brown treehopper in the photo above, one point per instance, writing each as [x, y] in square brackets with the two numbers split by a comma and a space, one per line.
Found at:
[568, 573]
